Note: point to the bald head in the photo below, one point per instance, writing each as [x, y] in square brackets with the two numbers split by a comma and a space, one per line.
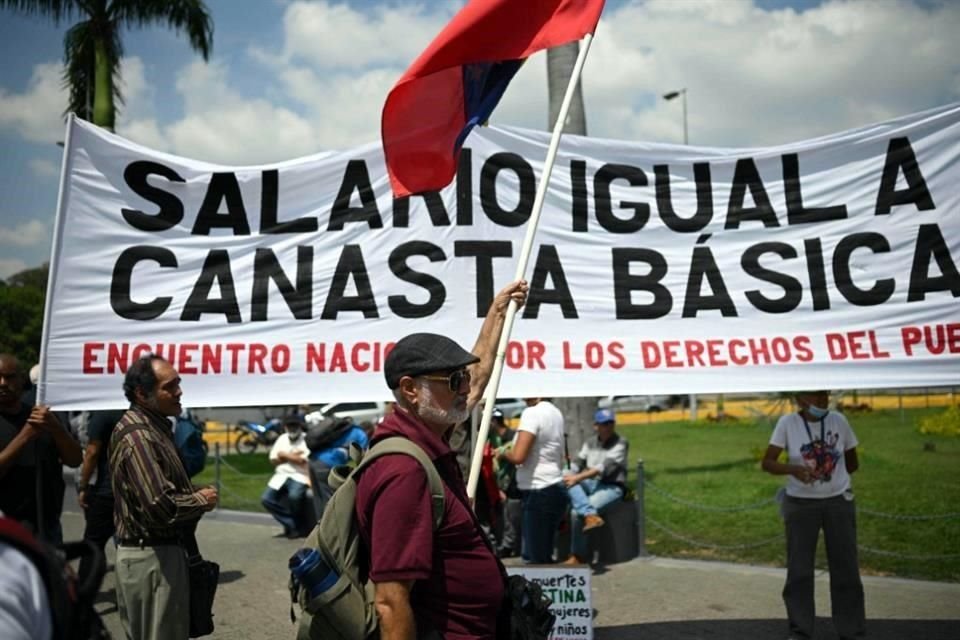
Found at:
[11, 383]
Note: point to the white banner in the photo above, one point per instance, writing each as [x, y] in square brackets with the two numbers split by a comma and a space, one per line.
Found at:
[569, 589]
[656, 268]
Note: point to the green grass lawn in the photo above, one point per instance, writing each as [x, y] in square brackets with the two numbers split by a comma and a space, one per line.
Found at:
[242, 479]
[718, 466]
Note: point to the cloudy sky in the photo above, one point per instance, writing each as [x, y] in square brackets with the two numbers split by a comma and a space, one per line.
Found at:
[292, 78]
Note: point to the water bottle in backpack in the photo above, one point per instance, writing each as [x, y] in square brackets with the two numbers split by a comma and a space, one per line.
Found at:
[311, 572]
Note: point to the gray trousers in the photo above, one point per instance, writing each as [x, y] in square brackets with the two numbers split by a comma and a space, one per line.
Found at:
[153, 592]
[512, 516]
[804, 518]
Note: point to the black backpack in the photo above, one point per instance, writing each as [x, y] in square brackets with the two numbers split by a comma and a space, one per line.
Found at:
[325, 432]
[71, 596]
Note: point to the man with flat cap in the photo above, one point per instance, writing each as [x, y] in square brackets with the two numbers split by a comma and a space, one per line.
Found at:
[448, 583]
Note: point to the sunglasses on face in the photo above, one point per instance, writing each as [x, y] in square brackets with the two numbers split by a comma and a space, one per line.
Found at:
[454, 380]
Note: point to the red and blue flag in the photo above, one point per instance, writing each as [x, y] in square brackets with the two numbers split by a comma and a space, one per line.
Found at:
[458, 80]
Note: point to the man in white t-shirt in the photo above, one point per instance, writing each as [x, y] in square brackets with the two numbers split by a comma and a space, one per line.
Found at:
[539, 454]
[821, 454]
[286, 490]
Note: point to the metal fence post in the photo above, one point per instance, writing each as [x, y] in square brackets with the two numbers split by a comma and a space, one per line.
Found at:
[216, 471]
[641, 514]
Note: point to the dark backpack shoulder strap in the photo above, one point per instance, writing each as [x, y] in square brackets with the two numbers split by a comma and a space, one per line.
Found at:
[17, 535]
[395, 445]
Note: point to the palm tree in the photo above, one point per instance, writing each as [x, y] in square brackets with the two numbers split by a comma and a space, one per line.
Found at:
[92, 48]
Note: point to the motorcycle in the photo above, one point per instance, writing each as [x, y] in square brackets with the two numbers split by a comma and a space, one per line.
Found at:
[255, 434]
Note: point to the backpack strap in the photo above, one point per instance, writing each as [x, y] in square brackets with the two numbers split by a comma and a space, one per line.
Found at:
[396, 445]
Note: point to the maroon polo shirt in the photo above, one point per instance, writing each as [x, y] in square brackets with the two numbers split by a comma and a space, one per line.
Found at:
[458, 585]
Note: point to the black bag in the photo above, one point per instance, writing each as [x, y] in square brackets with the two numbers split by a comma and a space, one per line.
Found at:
[526, 611]
[324, 433]
[204, 576]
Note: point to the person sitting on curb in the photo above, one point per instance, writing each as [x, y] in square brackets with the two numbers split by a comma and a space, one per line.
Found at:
[598, 480]
[289, 455]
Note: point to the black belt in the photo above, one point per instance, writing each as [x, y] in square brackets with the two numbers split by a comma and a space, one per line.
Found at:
[148, 542]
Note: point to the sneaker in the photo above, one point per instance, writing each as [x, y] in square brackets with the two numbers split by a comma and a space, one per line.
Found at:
[592, 522]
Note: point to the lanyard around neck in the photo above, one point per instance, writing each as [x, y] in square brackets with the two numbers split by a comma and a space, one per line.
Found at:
[809, 434]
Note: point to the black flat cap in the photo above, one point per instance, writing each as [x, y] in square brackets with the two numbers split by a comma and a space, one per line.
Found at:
[420, 353]
[294, 418]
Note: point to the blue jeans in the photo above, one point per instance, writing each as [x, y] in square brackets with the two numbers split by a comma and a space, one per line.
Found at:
[286, 504]
[589, 497]
[542, 512]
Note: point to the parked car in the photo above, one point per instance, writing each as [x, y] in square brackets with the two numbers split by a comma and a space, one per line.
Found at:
[359, 412]
[648, 404]
[511, 407]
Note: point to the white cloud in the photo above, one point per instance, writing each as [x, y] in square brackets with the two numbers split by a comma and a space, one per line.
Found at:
[223, 126]
[44, 168]
[763, 77]
[27, 234]
[37, 113]
[145, 131]
[10, 266]
[138, 93]
[754, 76]
[336, 36]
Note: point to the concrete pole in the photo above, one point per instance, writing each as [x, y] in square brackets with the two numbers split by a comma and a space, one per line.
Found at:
[641, 514]
[560, 61]
[577, 412]
[216, 471]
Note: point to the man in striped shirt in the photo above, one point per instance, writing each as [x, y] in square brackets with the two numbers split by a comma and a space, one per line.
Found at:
[154, 502]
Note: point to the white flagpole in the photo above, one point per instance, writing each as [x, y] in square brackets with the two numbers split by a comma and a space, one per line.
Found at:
[62, 196]
[494, 382]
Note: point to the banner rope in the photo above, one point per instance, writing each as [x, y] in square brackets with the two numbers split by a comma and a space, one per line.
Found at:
[907, 556]
[706, 507]
[707, 545]
[243, 473]
[909, 517]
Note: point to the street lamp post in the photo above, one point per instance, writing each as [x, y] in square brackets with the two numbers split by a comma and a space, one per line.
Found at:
[682, 93]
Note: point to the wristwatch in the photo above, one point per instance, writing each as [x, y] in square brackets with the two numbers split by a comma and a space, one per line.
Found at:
[81, 487]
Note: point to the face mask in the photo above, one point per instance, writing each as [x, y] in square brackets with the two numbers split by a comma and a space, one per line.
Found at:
[817, 412]
[295, 434]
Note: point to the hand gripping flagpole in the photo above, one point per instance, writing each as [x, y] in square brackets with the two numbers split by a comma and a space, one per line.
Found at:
[494, 383]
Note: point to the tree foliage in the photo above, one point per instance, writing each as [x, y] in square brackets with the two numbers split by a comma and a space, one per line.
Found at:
[21, 314]
[36, 278]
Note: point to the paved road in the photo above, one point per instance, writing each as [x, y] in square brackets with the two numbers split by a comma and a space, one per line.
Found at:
[648, 599]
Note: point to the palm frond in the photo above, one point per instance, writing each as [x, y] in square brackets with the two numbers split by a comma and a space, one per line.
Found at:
[78, 69]
[115, 54]
[55, 9]
[189, 16]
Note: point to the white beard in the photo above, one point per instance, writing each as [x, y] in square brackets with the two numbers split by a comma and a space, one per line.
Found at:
[430, 412]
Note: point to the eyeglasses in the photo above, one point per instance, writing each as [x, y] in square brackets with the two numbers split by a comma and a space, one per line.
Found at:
[454, 380]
